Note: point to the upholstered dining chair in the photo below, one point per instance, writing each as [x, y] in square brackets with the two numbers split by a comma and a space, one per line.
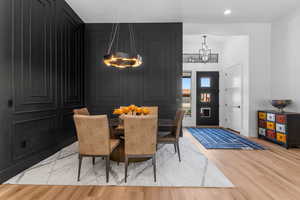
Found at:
[94, 139]
[81, 111]
[174, 135]
[140, 139]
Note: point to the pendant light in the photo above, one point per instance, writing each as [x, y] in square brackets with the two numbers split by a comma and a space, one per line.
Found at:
[118, 59]
[205, 52]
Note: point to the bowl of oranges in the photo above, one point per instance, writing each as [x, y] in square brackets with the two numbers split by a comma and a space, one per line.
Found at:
[131, 110]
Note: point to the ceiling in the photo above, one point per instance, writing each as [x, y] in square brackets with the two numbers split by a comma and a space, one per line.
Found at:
[201, 11]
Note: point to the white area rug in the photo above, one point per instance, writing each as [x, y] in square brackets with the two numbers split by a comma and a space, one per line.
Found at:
[194, 170]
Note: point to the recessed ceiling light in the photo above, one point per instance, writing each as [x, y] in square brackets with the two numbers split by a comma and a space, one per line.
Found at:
[227, 12]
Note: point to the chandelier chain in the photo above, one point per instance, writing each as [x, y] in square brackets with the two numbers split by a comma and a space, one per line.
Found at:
[112, 37]
[118, 36]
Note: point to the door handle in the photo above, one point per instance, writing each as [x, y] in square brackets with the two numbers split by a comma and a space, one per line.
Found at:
[233, 106]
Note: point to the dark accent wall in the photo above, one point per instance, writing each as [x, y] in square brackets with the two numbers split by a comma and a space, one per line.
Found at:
[156, 82]
[41, 73]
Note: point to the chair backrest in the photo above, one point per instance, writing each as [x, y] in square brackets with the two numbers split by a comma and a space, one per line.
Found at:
[178, 122]
[153, 110]
[93, 134]
[140, 135]
[81, 111]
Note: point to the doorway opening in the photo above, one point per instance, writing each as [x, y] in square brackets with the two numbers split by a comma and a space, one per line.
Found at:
[227, 105]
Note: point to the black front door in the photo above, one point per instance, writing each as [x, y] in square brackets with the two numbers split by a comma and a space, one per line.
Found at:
[208, 98]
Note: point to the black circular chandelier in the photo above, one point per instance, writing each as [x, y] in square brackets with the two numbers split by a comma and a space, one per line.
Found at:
[118, 59]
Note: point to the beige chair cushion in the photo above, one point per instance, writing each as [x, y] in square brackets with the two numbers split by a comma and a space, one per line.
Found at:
[81, 111]
[140, 135]
[93, 135]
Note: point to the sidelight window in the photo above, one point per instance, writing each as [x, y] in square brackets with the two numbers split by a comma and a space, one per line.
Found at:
[186, 93]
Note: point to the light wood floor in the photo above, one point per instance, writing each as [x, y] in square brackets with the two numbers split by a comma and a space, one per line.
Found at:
[257, 175]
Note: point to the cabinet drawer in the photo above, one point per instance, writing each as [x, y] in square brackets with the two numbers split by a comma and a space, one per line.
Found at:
[280, 128]
[262, 131]
[281, 119]
[271, 134]
[281, 137]
[262, 124]
[271, 125]
[271, 117]
[262, 115]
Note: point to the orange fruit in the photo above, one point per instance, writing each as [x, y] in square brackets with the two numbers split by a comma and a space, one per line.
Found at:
[138, 110]
[132, 107]
[118, 112]
[125, 110]
[146, 111]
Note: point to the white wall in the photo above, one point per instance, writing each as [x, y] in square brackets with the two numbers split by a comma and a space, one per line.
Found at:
[285, 62]
[236, 52]
[258, 71]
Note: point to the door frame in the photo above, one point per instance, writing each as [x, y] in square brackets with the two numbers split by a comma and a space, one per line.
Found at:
[242, 96]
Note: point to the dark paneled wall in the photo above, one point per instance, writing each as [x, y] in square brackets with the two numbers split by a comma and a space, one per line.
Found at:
[156, 82]
[5, 59]
[41, 80]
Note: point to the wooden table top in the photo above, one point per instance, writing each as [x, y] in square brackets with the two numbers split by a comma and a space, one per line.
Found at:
[161, 122]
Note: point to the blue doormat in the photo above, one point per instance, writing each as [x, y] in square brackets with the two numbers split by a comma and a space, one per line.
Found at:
[216, 138]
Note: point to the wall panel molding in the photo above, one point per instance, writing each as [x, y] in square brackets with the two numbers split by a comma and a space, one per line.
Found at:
[34, 53]
[32, 135]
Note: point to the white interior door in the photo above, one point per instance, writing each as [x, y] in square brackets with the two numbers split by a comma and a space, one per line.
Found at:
[233, 97]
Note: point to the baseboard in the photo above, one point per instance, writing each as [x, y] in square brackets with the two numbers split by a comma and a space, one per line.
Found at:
[208, 127]
[229, 129]
[13, 170]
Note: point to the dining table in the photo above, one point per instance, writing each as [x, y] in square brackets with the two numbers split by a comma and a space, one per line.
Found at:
[117, 132]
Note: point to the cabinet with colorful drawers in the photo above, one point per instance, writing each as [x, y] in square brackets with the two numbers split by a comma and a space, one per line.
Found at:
[280, 128]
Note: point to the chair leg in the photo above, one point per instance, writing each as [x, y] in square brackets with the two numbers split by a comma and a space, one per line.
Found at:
[175, 148]
[79, 167]
[154, 166]
[93, 160]
[107, 168]
[177, 143]
[126, 166]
